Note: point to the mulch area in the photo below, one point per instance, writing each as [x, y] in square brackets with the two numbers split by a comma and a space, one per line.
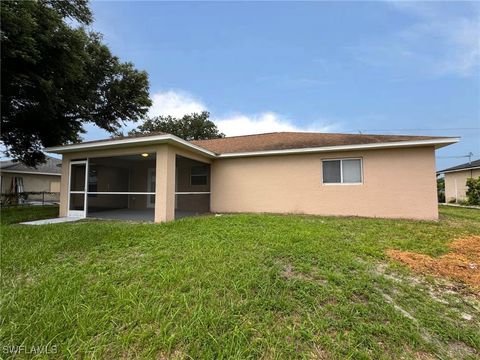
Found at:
[461, 264]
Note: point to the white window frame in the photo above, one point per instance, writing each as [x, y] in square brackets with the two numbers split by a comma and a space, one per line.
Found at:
[341, 171]
[206, 175]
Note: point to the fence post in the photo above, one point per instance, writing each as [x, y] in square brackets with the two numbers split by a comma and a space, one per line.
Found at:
[43, 198]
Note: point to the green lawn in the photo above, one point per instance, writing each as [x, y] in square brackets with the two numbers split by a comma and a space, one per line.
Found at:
[18, 214]
[235, 286]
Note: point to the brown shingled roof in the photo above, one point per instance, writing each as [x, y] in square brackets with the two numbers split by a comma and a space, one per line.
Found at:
[266, 142]
[296, 140]
[51, 165]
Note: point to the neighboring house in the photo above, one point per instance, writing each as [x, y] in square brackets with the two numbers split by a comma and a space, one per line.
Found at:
[161, 177]
[456, 180]
[16, 177]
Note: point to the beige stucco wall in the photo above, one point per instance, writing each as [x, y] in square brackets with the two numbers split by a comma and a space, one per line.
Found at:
[31, 182]
[397, 183]
[456, 184]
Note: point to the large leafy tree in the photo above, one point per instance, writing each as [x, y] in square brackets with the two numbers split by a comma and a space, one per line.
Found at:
[57, 76]
[190, 127]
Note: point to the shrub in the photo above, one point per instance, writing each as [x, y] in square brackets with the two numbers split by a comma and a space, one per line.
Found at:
[473, 191]
[441, 190]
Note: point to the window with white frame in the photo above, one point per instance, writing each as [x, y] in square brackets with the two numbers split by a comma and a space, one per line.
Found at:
[342, 171]
[198, 175]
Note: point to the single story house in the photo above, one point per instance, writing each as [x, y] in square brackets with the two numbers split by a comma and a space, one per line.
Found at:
[456, 180]
[161, 177]
[16, 177]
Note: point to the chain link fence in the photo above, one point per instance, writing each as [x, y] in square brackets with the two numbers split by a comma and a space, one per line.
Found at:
[29, 198]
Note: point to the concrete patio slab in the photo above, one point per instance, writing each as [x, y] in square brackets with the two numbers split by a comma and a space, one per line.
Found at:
[134, 214]
[123, 214]
[51, 221]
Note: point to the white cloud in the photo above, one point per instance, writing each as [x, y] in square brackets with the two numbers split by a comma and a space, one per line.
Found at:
[178, 103]
[241, 124]
[442, 39]
[175, 103]
[170, 102]
[464, 57]
[455, 42]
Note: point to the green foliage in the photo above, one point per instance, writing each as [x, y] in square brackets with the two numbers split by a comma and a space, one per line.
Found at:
[473, 191]
[441, 190]
[190, 127]
[56, 77]
[235, 287]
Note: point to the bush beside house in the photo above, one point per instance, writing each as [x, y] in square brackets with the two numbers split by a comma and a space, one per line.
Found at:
[441, 190]
[473, 191]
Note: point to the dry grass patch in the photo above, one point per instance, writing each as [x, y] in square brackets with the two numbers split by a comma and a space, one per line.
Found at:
[461, 264]
[290, 273]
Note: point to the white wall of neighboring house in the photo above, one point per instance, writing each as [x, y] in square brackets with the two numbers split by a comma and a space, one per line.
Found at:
[43, 178]
[456, 184]
[31, 182]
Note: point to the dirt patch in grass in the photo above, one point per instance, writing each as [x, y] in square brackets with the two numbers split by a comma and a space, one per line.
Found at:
[289, 273]
[461, 264]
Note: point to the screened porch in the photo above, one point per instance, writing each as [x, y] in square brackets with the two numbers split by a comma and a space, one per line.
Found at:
[124, 187]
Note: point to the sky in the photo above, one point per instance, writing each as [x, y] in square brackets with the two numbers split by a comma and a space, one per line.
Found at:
[371, 67]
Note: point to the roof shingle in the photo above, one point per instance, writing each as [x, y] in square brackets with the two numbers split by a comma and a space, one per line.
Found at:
[296, 140]
[466, 166]
[52, 166]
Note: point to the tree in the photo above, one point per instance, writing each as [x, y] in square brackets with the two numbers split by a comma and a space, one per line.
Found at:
[473, 191]
[56, 77]
[189, 127]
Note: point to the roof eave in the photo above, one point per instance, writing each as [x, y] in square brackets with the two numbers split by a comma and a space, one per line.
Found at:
[168, 138]
[30, 172]
[446, 171]
[129, 142]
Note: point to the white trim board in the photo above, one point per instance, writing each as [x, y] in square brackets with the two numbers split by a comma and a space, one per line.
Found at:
[28, 172]
[458, 170]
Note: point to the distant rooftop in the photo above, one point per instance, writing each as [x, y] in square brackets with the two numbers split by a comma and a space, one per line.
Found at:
[469, 165]
[51, 166]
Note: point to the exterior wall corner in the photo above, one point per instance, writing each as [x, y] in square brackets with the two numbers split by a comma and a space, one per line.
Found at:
[165, 184]
[64, 181]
